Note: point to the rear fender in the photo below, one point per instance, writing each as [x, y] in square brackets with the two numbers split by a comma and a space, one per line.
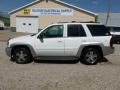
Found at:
[88, 45]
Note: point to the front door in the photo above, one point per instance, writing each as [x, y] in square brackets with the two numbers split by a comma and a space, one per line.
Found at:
[52, 41]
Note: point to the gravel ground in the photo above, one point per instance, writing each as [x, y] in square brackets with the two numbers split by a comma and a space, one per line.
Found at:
[65, 76]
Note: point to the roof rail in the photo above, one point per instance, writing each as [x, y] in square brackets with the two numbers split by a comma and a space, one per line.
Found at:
[85, 22]
[63, 22]
[79, 22]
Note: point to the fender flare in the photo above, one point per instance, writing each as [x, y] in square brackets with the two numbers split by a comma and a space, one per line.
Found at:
[88, 45]
[27, 45]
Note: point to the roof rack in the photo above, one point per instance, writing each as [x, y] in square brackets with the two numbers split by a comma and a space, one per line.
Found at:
[79, 22]
[63, 22]
[89, 22]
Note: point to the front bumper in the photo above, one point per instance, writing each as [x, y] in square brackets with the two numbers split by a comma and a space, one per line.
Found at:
[8, 51]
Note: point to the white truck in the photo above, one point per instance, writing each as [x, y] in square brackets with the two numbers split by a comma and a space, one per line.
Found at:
[87, 42]
[115, 32]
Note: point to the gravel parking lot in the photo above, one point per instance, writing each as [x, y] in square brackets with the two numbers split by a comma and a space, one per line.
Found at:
[59, 76]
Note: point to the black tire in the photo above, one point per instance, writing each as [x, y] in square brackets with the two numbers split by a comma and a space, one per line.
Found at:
[21, 55]
[91, 56]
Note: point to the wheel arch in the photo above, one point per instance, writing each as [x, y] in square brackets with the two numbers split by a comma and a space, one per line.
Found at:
[83, 47]
[29, 47]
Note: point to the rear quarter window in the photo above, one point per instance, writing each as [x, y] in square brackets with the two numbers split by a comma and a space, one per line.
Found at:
[98, 30]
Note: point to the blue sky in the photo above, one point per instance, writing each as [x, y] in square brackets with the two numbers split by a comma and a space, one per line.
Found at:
[91, 5]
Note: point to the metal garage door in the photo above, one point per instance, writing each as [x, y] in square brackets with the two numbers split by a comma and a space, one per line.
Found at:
[27, 24]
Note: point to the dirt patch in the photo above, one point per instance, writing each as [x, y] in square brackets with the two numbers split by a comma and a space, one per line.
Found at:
[6, 34]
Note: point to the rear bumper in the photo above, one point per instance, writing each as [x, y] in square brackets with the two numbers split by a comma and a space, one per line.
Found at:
[108, 50]
[8, 51]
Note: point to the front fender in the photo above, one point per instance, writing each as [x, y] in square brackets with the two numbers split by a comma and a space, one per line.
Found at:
[27, 45]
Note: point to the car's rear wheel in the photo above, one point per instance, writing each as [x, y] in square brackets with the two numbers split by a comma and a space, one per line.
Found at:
[21, 55]
[91, 56]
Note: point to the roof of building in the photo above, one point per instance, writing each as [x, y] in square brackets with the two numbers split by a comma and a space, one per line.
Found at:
[58, 1]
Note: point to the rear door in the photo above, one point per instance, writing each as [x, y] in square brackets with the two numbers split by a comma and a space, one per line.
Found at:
[76, 35]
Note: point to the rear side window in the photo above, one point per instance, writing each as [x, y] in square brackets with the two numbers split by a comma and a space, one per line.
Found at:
[98, 30]
[75, 31]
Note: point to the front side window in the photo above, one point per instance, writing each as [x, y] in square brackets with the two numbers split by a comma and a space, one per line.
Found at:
[75, 31]
[98, 30]
[53, 31]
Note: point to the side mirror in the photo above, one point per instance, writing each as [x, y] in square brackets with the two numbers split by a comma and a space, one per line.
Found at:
[40, 36]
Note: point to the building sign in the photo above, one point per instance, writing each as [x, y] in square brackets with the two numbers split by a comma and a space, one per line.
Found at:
[26, 11]
[51, 11]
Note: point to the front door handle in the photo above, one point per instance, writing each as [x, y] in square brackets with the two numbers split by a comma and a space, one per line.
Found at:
[59, 41]
[83, 40]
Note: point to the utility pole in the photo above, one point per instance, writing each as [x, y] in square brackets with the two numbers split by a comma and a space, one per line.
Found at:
[108, 14]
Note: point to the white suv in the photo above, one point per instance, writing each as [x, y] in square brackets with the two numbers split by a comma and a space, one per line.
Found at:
[87, 42]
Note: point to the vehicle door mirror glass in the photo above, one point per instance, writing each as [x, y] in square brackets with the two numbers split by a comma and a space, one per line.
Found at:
[40, 36]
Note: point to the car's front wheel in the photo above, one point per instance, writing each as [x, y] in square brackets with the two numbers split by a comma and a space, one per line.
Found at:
[21, 55]
[91, 56]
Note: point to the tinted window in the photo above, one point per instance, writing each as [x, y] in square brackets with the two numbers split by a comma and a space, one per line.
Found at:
[53, 31]
[114, 29]
[75, 31]
[98, 30]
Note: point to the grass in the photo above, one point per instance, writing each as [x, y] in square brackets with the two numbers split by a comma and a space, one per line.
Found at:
[6, 34]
